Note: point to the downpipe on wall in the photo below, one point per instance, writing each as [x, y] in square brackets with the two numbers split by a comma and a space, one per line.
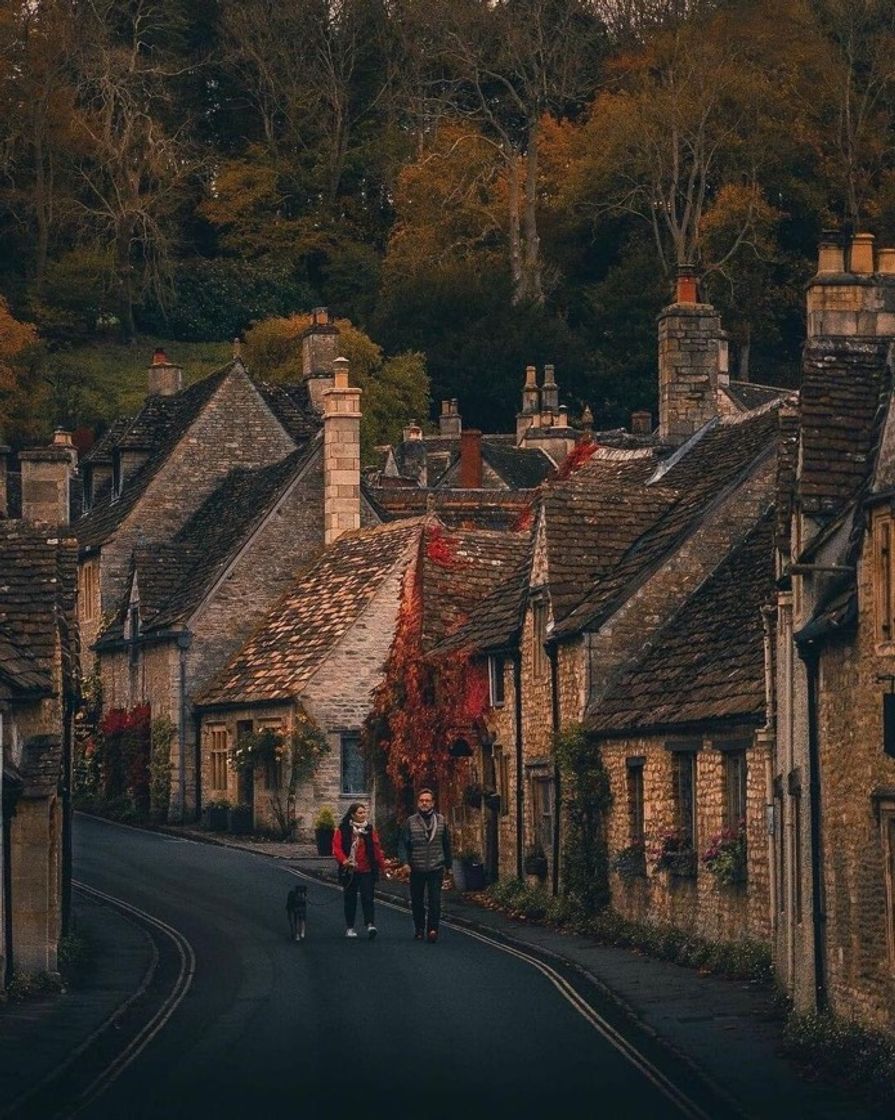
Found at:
[810, 655]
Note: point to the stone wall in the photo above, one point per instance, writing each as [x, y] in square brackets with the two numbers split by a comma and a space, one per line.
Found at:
[697, 905]
[35, 857]
[860, 949]
[689, 336]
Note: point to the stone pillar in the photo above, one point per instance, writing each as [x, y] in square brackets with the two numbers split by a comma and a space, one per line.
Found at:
[46, 472]
[689, 348]
[550, 391]
[341, 455]
[164, 378]
[531, 404]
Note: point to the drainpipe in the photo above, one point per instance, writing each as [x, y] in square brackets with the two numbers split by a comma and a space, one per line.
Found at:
[517, 690]
[553, 654]
[68, 716]
[811, 657]
[183, 644]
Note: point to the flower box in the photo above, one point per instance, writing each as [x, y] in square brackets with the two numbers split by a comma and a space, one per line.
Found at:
[680, 865]
[630, 862]
[239, 820]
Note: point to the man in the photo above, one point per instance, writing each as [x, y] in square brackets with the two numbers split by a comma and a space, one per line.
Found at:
[426, 844]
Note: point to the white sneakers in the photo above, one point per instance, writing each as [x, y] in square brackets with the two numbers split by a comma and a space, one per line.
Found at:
[350, 933]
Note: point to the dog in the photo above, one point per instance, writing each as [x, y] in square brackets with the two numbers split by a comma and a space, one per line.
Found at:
[297, 911]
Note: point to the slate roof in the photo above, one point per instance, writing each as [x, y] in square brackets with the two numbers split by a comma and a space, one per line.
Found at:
[748, 395]
[159, 426]
[20, 675]
[318, 610]
[472, 509]
[707, 664]
[840, 407]
[521, 468]
[38, 578]
[692, 480]
[174, 578]
[461, 570]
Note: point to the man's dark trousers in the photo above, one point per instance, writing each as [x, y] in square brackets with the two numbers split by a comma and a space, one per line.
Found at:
[422, 882]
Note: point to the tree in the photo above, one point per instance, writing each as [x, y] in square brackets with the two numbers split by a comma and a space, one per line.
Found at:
[22, 388]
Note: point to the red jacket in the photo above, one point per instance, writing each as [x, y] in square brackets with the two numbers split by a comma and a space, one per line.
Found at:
[363, 862]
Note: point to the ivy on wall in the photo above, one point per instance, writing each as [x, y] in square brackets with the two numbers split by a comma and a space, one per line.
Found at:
[587, 800]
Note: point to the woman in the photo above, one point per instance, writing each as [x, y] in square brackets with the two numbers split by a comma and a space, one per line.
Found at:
[356, 848]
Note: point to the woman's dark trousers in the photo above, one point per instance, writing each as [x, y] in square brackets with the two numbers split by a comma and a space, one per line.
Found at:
[421, 883]
[361, 883]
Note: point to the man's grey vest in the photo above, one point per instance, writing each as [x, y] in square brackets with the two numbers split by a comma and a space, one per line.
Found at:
[425, 854]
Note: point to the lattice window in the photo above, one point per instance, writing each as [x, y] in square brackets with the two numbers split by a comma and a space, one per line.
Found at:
[883, 580]
[89, 590]
[634, 783]
[217, 742]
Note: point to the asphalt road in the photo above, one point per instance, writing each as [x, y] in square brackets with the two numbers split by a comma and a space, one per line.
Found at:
[393, 1027]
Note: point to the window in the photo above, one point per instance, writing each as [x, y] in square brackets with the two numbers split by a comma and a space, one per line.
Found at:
[884, 606]
[495, 681]
[502, 769]
[684, 773]
[217, 741]
[634, 781]
[539, 635]
[735, 789]
[542, 808]
[354, 765]
[89, 590]
[273, 768]
[779, 848]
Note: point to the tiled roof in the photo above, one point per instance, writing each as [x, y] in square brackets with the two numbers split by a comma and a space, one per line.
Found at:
[592, 518]
[496, 620]
[38, 574]
[101, 451]
[318, 610]
[19, 671]
[521, 468]
[458, 509]
[707, 664]
[843, 383]
[692, 480]
[174, 578]
[461, 569]
[159, 426]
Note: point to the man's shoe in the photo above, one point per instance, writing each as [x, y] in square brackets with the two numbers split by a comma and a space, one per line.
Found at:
[350, 933]
[433, 936]
[419, 935]
[371, 931]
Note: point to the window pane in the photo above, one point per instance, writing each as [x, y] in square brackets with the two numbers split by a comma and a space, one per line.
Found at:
[635, 804]
[684, 767]
[354, 766]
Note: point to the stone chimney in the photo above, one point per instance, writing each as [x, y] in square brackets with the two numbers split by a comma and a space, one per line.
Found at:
[319, 349]
[413, 431]
[642, 423]
[341, 455]
[689, 359]
[165, 379]
[470, 460]
[853, 293]
[449, 423]
[46, 472]
[531, 404]
[62, 438]
[550, 392]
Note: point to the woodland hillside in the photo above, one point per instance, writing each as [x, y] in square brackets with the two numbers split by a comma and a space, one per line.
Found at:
[474, 184]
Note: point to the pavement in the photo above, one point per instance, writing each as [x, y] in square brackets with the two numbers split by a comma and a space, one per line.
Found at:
[728, 1031]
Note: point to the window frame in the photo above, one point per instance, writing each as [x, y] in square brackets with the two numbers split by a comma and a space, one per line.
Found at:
[346, 737]
[496, 673]
[684, 774]
[542, 798]
[883, 577]
[539, 636]
[218, 743]
[736, 776]
[635, 799]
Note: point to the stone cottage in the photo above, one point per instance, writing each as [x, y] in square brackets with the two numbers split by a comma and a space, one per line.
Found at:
[38, 697]
[833, 790]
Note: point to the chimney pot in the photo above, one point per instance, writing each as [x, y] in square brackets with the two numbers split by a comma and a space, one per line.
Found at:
[340, 373]
[530, 377]
[830, 255]
[886, 262]
[455, 408]
[413, 431]
[686, 284]
[862, 253]
[562, 419]
[549, 375]
[445, 408]
[159, 357]
[587, 418]
[164, 378]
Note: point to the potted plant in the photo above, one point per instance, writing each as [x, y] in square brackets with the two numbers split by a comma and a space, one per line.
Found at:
[630, 862]
[216, 816]
[725, 857]
[536, 862]
[239, 820]
[473, 870]
[324, 827]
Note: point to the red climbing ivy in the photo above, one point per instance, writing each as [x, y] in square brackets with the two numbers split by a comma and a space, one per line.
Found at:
[423, 705]
[580, 454]
[123, 749]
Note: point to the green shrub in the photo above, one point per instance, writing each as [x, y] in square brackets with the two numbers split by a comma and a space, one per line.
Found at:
[77, 957]
[854, 1057]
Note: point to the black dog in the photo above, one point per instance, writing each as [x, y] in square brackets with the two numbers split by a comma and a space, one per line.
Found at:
[297, 911]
